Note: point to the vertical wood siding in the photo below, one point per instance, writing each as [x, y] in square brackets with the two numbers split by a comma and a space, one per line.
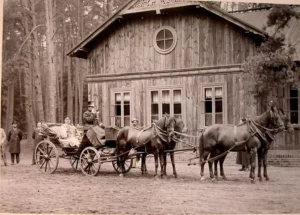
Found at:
[203, 40]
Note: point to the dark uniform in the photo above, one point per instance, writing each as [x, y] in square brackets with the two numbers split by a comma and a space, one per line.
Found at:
[14, 138]
[90, 119]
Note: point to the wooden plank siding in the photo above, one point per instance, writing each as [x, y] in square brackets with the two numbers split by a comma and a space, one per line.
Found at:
[203, 40]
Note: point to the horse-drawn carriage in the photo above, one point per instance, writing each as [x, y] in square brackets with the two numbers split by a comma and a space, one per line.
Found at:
[97, 146]
[159, 139]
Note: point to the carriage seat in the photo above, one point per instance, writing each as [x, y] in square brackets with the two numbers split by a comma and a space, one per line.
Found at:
[61, 133]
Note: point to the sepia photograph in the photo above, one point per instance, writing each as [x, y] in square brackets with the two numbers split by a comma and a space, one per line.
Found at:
[150, 107]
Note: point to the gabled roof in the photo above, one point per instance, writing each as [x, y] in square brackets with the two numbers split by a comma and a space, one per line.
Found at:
[158, 6]
[291, 31]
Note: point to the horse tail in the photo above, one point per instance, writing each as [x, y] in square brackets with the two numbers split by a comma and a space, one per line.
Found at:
[121, 137]
[201, 145]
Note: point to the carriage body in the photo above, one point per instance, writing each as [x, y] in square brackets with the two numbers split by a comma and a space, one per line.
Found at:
[97, 146]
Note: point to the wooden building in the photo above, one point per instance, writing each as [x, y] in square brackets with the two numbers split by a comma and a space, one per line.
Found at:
[181, 57]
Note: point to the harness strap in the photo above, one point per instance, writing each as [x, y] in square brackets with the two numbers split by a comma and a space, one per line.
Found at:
[138, 136]
[234, 131]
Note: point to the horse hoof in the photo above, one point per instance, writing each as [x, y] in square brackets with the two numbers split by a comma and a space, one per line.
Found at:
[267, 178]
[213, 180]
[202, 178]
[175, 176]
[224, 178]
[260, 179]
[252, 181]
[121, 175]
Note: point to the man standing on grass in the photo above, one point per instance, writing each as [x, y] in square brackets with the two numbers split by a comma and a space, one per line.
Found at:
[14, 138]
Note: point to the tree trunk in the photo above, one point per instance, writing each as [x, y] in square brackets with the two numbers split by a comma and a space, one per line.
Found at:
[27, 68]
[37, 72]
[51, 115]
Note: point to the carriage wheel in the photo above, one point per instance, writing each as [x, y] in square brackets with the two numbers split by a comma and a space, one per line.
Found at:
[74, 161]
[90, 161]
[128, 165]
[46, 156]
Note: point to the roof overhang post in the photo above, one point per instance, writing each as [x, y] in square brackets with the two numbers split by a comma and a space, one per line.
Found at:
[158, 3]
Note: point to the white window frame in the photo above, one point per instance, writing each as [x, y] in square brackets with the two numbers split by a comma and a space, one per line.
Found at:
[286, 102]
[160, 89]
[112, 104]
[202, 102]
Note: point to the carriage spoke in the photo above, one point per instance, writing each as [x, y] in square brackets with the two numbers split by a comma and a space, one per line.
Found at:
[47, 147]
[44, 161]
[46, 166]
[49, 164]
[41, 151]
[49, 150]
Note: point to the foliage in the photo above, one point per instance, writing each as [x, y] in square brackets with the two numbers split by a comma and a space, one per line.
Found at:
[273, 66]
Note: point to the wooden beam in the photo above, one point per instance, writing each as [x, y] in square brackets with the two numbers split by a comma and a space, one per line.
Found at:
[166, 73]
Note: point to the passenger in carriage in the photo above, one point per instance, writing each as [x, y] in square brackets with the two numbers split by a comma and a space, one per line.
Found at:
[68, 138]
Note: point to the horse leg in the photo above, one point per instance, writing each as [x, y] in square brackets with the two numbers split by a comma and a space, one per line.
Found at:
[156, 163]
[120, 149]
[143, 164]
[211, 172]
[165, 164]
[173, 164]
[162, 164]
[203, 159]
[216, 169]
[222, 159]
[253, 152]
[260, 159]
[265, 162]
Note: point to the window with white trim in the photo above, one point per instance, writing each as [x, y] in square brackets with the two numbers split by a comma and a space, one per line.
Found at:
[213, 105]
[120, 109]
[168, 101]
[291, 104]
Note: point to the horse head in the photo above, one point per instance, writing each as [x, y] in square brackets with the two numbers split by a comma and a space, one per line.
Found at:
[275, 119]
[286, 121]
[170, 123]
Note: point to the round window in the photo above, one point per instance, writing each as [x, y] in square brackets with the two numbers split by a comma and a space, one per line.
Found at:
[165, 39]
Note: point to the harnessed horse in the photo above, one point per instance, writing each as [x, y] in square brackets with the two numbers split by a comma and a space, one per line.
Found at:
[251, 136]
[150, 140]
[262, 152]
[179, 126]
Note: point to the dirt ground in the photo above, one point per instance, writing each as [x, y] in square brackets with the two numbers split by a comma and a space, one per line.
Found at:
[23, 189]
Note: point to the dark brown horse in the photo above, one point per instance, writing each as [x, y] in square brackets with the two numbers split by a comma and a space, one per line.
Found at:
[179, 126]
[250, 136]
[262, 151]
[150, 141]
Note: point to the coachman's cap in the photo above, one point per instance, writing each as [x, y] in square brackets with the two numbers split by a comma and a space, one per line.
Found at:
[14, 122]
[91, 104]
